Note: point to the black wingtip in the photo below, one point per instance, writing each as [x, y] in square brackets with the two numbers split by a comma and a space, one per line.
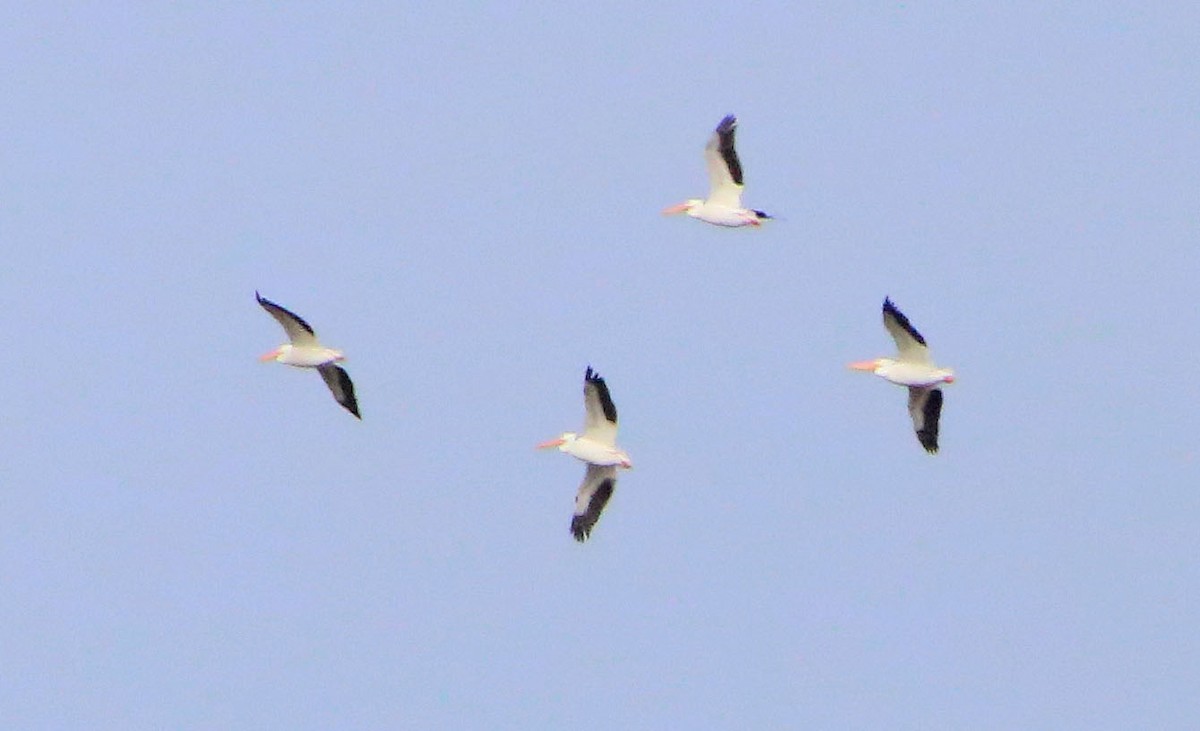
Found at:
[932, 416]
[348, 399]
[351, 403]
[580, 533]
[268, 303]
[889, 308]
[762, 214]
[593, 379]
[727, 123]
[582, 525]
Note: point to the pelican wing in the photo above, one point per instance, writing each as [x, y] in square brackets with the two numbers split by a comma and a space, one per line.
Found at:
[724, 169]
[593, 495]
[340, 386]
[299, 332]
[925, 407]
[909, 343]
[600, 424]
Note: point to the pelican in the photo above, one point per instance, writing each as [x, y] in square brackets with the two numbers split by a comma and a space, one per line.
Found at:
[597, 446]
[912, 367]
[305, 351]
[724, 204]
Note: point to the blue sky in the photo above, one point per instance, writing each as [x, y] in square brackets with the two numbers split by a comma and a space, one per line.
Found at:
[466, 201]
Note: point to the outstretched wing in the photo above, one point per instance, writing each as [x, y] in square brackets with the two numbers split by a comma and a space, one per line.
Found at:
[600, 424]
[299, 332]
[724, 168]
[925, 408]
[340, 386]
[594, 492]
[909, 343]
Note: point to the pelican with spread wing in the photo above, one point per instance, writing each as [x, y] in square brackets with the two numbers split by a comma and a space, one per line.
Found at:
[723, 207]
[304, 351]
[912, 367]
[596, 446]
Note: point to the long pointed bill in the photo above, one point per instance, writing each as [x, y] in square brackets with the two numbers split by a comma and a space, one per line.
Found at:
[552, 443]
[864, 365]
[671, 211]
[269, 356]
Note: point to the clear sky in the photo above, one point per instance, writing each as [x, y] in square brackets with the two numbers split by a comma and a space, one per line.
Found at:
[466, 201]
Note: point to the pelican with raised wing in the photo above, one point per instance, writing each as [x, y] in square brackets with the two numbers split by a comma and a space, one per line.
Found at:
[723, 207]
[597, 446]
[305, 351]
[912, 367]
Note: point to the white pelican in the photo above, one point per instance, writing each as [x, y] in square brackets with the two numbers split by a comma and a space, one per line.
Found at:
[305, 351]
[724, 204]
[913, 368]
[597, 446]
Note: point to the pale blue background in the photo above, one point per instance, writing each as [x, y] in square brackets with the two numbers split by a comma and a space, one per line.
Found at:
[466, 200]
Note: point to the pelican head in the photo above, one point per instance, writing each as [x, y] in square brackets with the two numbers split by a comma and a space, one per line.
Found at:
[562, 442]
[275, 354]
[872, 366]
[688, 206]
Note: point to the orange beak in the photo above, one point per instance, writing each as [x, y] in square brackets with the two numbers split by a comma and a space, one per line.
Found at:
[672, 210]
[864, 365]
[269, 356]
[949, 379]
[552, 443]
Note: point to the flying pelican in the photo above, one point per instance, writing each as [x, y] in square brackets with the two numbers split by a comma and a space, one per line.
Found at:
[913, 368]
[724, 204]
[305, 351]
[597, 446]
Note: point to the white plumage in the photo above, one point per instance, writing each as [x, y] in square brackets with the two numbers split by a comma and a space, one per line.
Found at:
[913, 368]
[723, 207]
[304, 351]
[597, 446]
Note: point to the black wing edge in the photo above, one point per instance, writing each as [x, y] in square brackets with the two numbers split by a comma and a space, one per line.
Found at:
[610, 410]
[725, 132]
[581, 525]
[268, 304]
[890, 308]
[928, 434]
[348, 400]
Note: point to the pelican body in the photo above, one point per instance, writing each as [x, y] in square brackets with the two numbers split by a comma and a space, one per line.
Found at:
[588, 450]
[305, 351]
[913, 368]
[597, 447]
[289, 354]
[723, 207]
